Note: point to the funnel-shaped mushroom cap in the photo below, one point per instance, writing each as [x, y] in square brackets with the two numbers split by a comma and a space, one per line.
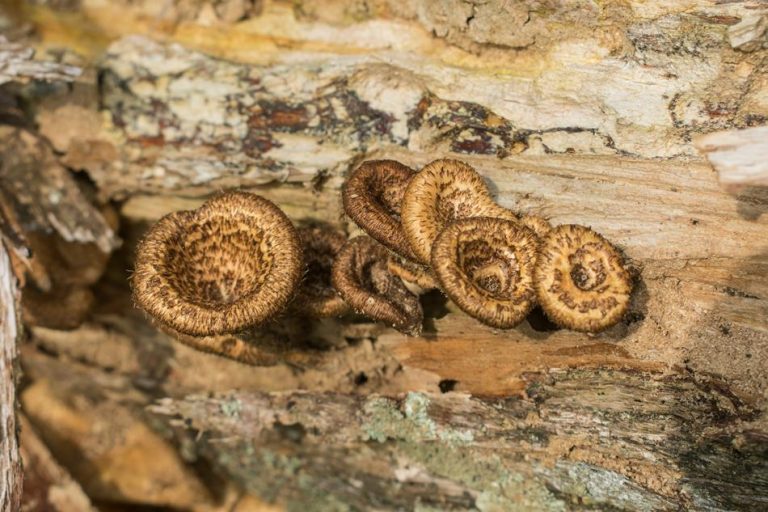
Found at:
[486, 267]
[229, 265]
[372, 198]
[361, 276]
[581, 280]
[444, 191]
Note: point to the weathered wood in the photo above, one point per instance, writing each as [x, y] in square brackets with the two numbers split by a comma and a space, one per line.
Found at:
[739, 156]
[10, 461]
[579, 440]
[17, 65]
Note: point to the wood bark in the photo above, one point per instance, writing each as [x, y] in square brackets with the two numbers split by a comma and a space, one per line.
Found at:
[10, 461]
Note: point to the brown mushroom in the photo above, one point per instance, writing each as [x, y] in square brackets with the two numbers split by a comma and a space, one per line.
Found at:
[581, 280]
[317, 297]
[227, 266]
[485, 265]
[372, 197]
[444, 191]
[361, 276]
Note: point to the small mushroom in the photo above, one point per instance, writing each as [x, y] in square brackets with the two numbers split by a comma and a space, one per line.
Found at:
[317, 297]
[361, 276]
[421, 278]
[485, 265]
[444, 191]
[581, 280]
[227, 266]
[372, 197]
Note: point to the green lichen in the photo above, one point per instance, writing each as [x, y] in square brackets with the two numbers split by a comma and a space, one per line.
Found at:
[385, 421]
[231, 408]
[449, 453]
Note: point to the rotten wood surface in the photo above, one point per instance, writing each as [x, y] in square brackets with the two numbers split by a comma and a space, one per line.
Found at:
[578, 440]
[10, 460]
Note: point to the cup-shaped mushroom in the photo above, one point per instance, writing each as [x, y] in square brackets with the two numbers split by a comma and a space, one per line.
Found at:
[442, 192]
[316, 296]
[581, 280]
[373, 196]
[361, 276]
[225, 267]
[485, 265]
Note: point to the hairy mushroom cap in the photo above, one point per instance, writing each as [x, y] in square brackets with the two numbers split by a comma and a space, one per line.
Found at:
[581, 280]
[412, 273]
[444, 191]
[317, 296]
[372, 197]
[485, 265]
[229, 265]
[361, 276]
[539, 225]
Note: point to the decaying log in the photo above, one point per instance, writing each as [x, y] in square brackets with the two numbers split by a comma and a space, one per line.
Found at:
[578, 440]
[10, 461]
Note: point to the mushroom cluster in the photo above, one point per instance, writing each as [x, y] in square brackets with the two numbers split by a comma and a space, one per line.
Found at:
[444, 230]
[214, 277]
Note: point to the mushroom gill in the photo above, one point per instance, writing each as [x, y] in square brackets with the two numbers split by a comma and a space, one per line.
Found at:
[485, 265]
[229, 265]
[372, 197]
[444, 191]
[361, 276]
[581, 280]
[316, 296]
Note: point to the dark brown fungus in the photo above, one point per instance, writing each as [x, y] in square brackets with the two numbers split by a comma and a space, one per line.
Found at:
[444, 191]
[227, 266]
[372, 198]
[581, 280]
[317, 297]
[485, 266]
[361, 276]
